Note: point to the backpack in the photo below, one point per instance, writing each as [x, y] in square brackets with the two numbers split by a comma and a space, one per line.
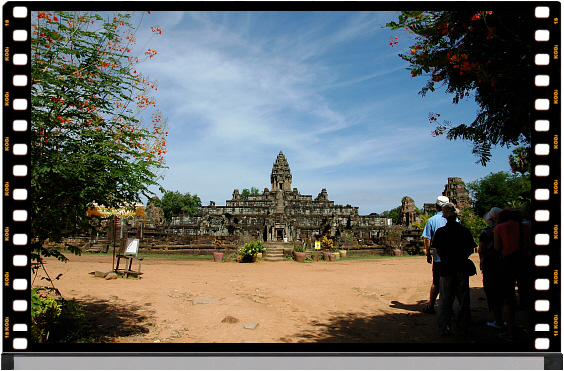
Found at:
[491, 254]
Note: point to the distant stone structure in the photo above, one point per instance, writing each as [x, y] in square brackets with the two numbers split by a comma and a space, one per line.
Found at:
[429, 209]
[409, 214]
[280, 214]
[456, 191]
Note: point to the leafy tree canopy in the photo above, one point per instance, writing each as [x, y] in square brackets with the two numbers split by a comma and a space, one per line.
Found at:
[88, 142]
[520, 161]
[393, 214]
[501, 189]
[481, 54]
[174, 203]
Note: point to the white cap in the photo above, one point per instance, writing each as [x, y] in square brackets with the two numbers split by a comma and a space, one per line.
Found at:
[442, 201]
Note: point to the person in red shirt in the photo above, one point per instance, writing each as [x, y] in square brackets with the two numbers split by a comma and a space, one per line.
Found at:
[512, 238]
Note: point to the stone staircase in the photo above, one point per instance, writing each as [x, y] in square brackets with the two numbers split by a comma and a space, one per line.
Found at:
[275, 251]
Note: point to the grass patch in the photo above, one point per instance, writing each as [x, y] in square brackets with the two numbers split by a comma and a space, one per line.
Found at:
[147, 255]
[370, 257]
[231, 257]
[176, 256]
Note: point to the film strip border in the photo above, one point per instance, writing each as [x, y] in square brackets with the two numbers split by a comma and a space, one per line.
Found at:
[546, 201]
[546, 178]
[16, 177]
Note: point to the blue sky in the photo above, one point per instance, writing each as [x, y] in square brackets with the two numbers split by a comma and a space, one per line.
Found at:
[326, 88]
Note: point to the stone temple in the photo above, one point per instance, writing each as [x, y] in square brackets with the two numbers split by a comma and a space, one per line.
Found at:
[279, 214]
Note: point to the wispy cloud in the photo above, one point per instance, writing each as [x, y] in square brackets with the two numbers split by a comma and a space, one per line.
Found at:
[325, 88]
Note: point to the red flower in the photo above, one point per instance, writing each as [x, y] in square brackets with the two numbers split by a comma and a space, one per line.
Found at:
[476, 17]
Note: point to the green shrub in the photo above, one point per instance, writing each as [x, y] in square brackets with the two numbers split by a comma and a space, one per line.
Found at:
[251, 248]
[44, 312]
[45, 316]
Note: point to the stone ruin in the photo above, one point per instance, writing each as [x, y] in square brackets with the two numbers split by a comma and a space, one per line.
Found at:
[280, 215]
[456, 191]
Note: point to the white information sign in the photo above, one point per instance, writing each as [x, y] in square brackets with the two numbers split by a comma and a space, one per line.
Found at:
[318, 245]
[132, 247]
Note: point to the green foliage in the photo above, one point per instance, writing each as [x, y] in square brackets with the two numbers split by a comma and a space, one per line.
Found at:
[475, 223]
[44, 311]
[43, 306]
[173, 203]
[394, 214]
[424, 219]
[246, 193]
[48, 324]
[298, 247]
[484, 54]
[87, 141]
[502, 190]
[520, 161]
[251, 248]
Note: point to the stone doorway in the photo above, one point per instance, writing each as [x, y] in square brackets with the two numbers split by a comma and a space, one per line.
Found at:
[279, 234]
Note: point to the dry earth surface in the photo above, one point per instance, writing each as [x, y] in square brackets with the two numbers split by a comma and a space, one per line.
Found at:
[201, 301]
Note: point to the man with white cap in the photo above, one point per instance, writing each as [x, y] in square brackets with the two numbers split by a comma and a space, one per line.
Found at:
[435, 222]
[454, 244]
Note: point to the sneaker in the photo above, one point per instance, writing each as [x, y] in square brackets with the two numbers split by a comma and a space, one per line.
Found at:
[494, 324]
[429, 310]
[506, 336]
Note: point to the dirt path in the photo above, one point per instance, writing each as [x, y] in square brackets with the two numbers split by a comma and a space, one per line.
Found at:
[188, 301]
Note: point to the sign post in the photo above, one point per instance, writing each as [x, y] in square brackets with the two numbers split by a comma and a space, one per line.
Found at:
[317, 248]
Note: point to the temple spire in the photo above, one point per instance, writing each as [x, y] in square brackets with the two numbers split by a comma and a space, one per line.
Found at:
[281, 177]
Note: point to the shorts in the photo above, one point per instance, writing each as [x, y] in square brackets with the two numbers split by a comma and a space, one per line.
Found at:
[437, 274]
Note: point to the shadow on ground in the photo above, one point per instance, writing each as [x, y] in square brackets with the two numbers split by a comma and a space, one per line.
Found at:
[103, 321]
[408, 325]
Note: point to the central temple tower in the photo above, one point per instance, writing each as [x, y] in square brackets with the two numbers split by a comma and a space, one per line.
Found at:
[281, 178]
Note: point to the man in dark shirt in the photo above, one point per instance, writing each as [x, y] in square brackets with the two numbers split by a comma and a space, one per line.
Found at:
[454, 244]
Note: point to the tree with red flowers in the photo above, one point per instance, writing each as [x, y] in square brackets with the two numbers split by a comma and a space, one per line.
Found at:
[481, 54]
[89, 141]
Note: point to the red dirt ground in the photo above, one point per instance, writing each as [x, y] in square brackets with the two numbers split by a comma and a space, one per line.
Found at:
[371, 301]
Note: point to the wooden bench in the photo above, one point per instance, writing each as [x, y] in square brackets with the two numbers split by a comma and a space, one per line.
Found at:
[128, 262]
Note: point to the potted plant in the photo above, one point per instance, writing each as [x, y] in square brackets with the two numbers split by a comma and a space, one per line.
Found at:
[327, 243]
[299, 252]
[217, 256]
[252, 251]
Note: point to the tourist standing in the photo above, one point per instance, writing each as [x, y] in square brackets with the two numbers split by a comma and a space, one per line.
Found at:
[513, 238]
[454, 244]
[490, 260]
[435, 222]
